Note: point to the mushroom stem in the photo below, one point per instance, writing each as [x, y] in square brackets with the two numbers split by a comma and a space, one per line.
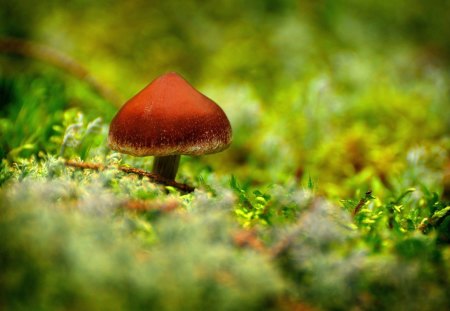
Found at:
[166, 166]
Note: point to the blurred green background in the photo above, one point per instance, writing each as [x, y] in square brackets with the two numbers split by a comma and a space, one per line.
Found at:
[339, 91]
[334, 96]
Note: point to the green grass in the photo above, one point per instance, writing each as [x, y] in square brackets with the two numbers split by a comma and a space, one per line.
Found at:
[334, 194]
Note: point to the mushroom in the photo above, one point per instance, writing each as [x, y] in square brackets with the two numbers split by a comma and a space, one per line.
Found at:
[166, 119]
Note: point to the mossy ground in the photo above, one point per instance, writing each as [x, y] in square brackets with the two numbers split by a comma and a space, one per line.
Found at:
[334, 194]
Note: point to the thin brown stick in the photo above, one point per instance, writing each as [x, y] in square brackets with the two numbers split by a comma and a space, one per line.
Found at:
[153, 205]
[131, 170]
[362, 202]
[56, 58]
[248, 238]
[282, 246]
[85, 165]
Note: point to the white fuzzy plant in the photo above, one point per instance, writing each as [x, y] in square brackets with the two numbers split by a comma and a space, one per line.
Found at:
[76, 133]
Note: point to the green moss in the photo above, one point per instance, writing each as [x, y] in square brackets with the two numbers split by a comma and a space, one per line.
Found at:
[333, 195]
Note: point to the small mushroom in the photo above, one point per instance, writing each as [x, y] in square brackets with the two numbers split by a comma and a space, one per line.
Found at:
[166, 119]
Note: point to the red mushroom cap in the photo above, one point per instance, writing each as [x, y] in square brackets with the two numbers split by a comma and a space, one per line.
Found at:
[169, 117]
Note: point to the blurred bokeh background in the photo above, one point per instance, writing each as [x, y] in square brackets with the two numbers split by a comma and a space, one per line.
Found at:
[351, 94]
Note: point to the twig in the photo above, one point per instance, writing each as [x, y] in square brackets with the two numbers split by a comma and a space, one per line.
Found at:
[130, 170]
[248, 238]
[362, 202]
[60, 60]
[149, 206]
[284, 244]
[85, 165]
